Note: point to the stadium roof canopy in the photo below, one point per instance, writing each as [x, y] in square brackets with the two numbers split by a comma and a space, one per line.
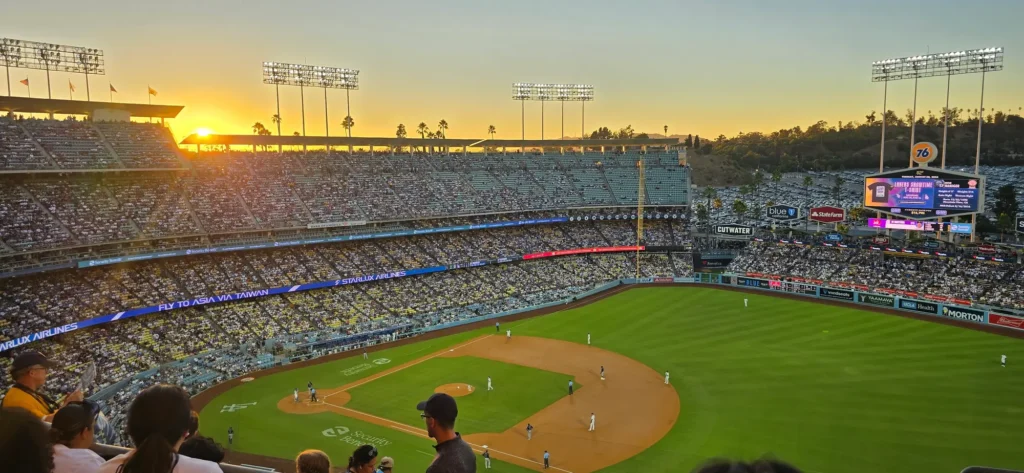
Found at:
[81, 107]
[257, 140]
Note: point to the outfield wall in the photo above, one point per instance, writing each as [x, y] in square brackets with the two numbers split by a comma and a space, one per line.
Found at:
[874, 300]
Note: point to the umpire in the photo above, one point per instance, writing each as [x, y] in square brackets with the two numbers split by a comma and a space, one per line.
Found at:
[454, 455]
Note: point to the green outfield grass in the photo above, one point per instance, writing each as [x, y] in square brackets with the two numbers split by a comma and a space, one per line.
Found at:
[830, 389]
[519, 391]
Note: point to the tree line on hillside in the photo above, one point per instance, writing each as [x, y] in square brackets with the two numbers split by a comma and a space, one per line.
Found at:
[853, 144]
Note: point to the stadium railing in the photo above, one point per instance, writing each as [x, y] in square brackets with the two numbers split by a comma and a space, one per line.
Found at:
[110, 451]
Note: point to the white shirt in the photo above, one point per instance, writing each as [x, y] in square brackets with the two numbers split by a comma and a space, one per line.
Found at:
[75, 460]
[184, 465]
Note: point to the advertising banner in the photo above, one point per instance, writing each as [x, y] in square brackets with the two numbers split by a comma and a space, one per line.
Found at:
[1006, 321]
[782, 212]
[961, 313]
[827, 214]
[839, 294]
[751, 282]
[732, 229]
[1020, 224]
[877, 299]
[919, 306]
[578, 251]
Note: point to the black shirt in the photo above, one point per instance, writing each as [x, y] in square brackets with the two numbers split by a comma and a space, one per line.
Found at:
[453, 456]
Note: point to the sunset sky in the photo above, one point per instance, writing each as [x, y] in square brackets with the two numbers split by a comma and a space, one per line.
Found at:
[699, 67]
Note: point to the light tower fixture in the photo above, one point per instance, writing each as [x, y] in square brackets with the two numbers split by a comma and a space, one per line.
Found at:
[50, 57]
[303, 75]
[524, 91]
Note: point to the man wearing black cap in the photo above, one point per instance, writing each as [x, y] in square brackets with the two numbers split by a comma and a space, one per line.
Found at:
[454, 455]
[29, 372]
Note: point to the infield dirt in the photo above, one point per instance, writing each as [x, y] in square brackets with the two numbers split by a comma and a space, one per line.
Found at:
[633, 406]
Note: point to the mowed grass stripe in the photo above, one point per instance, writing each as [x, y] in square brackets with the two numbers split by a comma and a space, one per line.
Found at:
[876, 392]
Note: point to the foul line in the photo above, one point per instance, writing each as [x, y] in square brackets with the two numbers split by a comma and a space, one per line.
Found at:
[400, 368]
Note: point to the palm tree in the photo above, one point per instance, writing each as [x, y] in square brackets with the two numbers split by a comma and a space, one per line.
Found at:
[709, 193]
[491, 131]
[666, 131]
[739, 208]
[348, 123]
[257, 127]
[422, 129]
[442, 126]
[807, 189]
[277, 121]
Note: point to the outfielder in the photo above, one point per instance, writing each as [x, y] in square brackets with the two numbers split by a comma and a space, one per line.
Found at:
[744, 303]
[588, 338]
[489, 387]
[666, 377]
[591, 422]
[1003, 361]
[231, 435]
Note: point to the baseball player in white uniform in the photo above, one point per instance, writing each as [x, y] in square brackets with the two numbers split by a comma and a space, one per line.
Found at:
[1003, 361]
[588, 338]
[602, 372]
[508, 334]
[489, 387]
[296, 394]
[666, 377]
[592, 418]
[745, 302]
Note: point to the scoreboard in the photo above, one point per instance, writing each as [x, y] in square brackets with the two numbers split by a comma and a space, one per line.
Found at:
[925, 193]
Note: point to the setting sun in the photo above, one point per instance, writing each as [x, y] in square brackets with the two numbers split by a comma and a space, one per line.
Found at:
[203, 131]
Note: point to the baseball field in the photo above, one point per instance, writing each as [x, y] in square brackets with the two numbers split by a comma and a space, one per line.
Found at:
[831, 389]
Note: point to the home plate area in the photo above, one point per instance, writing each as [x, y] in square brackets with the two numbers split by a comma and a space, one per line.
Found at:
[455, 389]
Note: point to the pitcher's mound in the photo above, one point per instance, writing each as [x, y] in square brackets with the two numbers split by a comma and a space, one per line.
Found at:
[455, 389]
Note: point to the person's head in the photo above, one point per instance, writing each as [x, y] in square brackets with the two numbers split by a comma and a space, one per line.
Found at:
[24, 446]
[158, 421]
[202, 448]
[312, 461]
[74, 424]
[30, 368]
[363, 460]
[439, 413]
[764, 465]
[387, 464]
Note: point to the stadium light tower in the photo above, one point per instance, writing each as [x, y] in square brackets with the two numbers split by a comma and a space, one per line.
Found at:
[933, 65]
[303, 75]
[50, 57]
[574, 93]
[522, 92]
